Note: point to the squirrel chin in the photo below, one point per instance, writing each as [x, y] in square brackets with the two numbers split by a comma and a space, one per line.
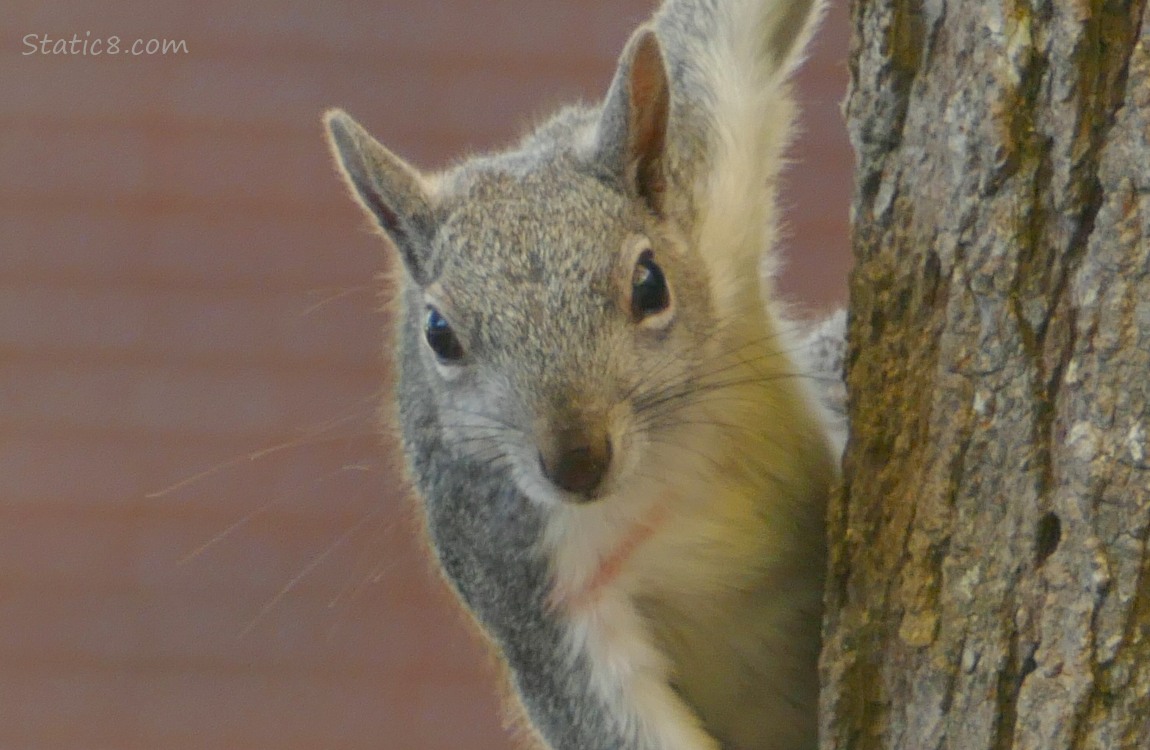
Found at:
[575, 600]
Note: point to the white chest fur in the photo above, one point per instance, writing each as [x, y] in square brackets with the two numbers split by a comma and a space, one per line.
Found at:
[697, 594]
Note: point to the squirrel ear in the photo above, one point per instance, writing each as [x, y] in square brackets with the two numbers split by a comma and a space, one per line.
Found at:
[632, 135]
[392, 193]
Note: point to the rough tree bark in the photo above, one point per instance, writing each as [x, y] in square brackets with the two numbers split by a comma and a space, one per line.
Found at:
[990, 576]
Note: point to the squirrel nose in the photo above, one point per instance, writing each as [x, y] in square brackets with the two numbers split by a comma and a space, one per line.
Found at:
[577, 466]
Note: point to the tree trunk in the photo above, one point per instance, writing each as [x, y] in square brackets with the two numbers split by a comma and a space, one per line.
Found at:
[989, 580]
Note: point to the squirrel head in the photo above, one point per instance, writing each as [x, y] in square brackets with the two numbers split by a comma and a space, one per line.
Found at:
[557, 314]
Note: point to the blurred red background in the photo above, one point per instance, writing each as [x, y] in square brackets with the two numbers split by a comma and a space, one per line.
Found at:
[203, 543]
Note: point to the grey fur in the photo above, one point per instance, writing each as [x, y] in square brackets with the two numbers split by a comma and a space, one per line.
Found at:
[485, 536]
[824, 351]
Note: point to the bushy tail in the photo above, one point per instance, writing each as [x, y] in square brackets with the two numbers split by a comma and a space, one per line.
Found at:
[732, 117]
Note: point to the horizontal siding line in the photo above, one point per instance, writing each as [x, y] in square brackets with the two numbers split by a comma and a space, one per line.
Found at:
[319, 668]
[140, 513]
[363, 429]
[262, 441]
[314, 297]
[279, 283]
[437, 60]
[290, 507]
[144, 361]
[215, 213]
[143, 509]
[239, 598]
[414, 583]
[260, 444]
[151, 204]
[167, 126]
[181, 505]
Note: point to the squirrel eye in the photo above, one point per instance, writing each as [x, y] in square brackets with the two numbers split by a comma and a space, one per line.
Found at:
[441, 338]
[649, 293]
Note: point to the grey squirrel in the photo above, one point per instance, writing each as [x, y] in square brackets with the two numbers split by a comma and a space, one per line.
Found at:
[604, 408]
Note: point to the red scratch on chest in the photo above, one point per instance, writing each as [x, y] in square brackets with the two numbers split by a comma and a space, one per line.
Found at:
[611, 566]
